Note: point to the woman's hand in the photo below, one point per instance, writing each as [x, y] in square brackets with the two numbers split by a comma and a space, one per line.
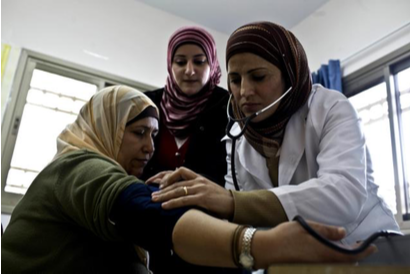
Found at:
[159, 177]
[186, 188]
[290, 243]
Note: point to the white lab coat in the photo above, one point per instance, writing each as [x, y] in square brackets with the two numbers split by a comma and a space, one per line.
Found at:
[325, 171]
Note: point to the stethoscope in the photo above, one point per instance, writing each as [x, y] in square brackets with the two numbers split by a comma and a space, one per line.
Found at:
[232, 120]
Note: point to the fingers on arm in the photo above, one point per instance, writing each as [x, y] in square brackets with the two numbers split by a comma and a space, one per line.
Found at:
[177, 197]
[177, 185]
[183, 201]
[175, 192]
[158, 177]
[179, 174]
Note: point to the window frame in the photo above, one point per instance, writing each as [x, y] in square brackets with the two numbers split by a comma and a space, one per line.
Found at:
[13, 111]
[385, 70]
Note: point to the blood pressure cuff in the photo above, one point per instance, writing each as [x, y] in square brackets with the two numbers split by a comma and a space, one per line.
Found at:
[142, 221]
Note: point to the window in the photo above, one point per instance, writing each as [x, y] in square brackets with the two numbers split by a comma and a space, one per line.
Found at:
[380, 92]
[403, 84]
[371, 105]
[53, 101]
[48, 95]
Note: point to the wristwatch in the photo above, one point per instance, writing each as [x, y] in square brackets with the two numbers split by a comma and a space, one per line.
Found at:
[245, 258]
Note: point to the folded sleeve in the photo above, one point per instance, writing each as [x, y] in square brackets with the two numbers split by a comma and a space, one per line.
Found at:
[259, 208]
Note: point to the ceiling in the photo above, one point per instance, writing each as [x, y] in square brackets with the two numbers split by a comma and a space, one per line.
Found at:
[226, 16]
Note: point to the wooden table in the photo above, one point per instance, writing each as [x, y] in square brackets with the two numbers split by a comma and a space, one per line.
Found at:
[336, 268]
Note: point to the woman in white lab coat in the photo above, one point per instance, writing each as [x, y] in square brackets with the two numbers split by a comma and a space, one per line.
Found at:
[305, 155]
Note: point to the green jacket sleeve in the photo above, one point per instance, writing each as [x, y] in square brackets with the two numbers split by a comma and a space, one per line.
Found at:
[87, 187]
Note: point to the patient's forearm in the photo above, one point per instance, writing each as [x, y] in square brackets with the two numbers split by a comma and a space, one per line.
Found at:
[203, 240]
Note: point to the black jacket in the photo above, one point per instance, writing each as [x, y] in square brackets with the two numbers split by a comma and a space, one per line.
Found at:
[206, 154]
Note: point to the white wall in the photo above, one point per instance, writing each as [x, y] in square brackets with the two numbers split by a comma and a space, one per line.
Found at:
[341, 28]
[130, 37]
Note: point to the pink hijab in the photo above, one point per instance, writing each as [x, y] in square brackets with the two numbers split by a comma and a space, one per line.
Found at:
[180, 110]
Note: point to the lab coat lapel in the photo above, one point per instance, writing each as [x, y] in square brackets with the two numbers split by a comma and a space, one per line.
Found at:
[292, 150]
[254, 164]
[293, 146]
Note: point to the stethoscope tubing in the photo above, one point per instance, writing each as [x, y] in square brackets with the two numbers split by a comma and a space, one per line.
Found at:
[362, 247]
[232, 121]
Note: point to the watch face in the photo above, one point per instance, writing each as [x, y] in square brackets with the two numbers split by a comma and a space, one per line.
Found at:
[246, 261]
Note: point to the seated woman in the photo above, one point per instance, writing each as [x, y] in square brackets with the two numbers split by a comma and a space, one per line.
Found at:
[192, 108]
[85, 211]
[305, 154]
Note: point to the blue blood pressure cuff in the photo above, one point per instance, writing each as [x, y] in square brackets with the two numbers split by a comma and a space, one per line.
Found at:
[142, 221]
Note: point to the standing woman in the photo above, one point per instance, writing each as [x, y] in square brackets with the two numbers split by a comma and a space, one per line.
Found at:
[304, 155]
[192, 108]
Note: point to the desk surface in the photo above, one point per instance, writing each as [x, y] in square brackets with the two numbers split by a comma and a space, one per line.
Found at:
[393, 257]
[336, 268]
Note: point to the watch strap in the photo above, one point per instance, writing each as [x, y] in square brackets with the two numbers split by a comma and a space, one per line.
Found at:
[246, 259]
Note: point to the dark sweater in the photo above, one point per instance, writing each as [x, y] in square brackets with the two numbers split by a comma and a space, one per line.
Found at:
[206, 154]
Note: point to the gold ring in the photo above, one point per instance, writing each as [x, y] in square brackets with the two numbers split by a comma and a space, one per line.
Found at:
[185, 190]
